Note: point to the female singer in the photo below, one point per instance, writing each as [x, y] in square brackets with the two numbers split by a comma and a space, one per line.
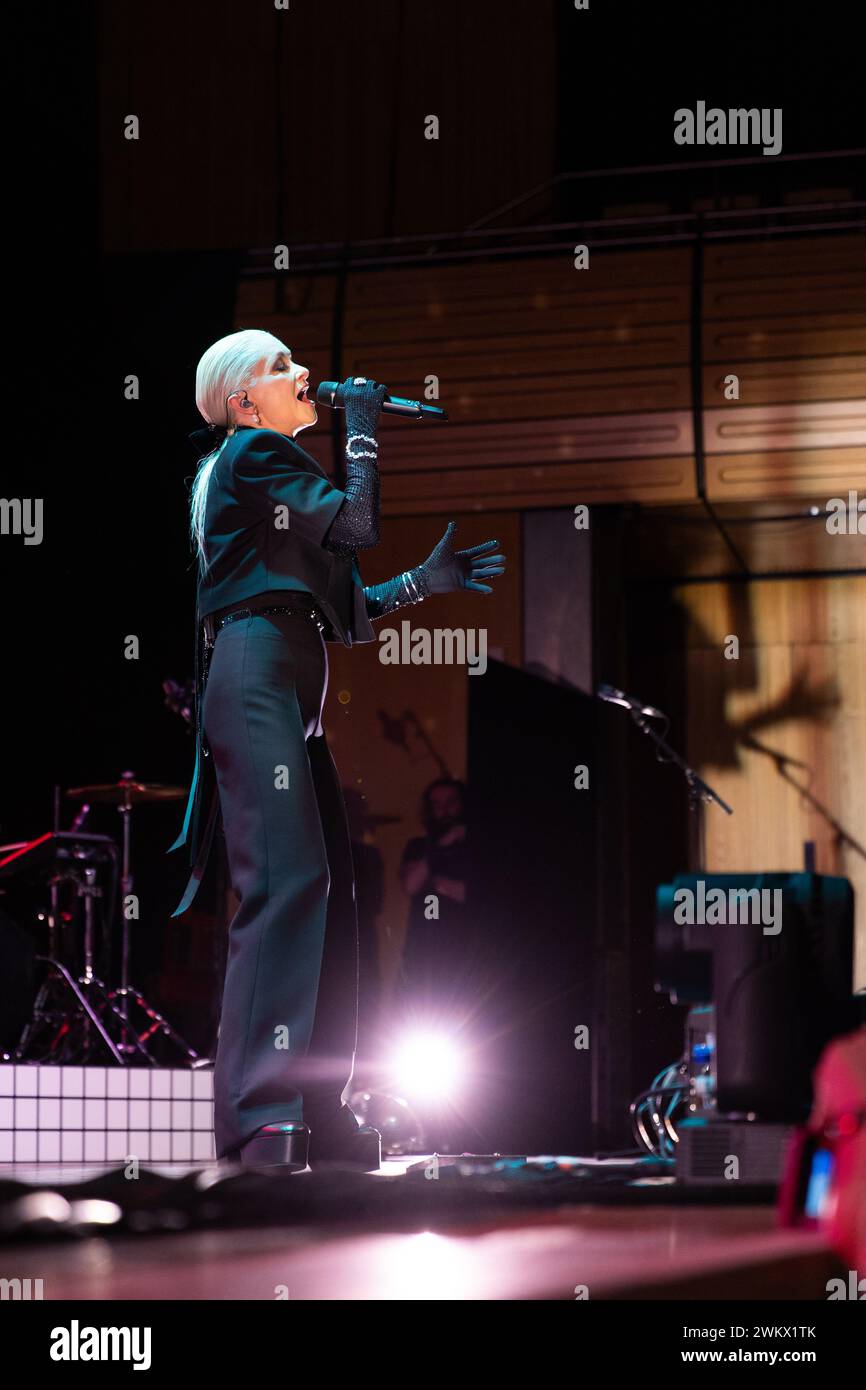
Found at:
[278, 578]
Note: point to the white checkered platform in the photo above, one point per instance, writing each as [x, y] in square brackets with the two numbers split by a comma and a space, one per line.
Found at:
[65, 1114]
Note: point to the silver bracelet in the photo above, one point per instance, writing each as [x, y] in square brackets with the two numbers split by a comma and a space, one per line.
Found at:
[415, 595]
[362, 453]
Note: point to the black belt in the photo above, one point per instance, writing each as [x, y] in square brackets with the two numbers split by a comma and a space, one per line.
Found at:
[301, 606]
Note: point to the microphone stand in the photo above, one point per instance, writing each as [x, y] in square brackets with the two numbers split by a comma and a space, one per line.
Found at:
[700, 792]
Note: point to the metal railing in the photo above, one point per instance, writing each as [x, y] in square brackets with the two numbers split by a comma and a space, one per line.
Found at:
[552, 237]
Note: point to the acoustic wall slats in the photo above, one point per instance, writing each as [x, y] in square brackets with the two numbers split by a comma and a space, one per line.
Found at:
[565, 385]
[786, 256]
[798, 379]
[529, 339]
[305, 320]
[562, 385]
[787, 318]
[787, 473]
[518, 297]
[544, 463]
[538, 374]
[542, 485]
[794, 336]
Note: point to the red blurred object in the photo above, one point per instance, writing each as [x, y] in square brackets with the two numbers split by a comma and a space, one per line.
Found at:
[825, 1173]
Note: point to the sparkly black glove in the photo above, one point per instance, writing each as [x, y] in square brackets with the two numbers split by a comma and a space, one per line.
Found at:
[447, 570]
[408, 587]
[356, 525]
[362, 401]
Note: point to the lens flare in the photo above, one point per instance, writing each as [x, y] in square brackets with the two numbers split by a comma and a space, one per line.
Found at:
[427, 1066]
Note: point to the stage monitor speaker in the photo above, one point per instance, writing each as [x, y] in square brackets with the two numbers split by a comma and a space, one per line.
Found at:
[777, 964]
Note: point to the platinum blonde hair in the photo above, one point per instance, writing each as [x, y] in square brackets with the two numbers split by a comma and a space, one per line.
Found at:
[227, 366]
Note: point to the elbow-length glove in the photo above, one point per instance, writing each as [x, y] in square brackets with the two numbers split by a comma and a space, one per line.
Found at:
[356, 525]
[443, 572]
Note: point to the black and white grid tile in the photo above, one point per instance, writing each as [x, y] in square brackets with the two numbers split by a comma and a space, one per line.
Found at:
[61, 1114]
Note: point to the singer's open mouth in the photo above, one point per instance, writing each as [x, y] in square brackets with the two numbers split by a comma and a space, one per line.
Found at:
[304, 395]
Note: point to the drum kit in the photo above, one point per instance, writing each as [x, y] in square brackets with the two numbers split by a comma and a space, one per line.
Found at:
[77, 1017]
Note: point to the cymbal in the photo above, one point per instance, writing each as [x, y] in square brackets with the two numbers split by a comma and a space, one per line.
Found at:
[125, 792]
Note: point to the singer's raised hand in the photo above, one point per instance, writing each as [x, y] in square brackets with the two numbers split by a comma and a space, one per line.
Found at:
[363, 404]
[446, 570]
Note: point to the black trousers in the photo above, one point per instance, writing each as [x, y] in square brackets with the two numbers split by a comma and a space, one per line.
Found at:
[288, 1026]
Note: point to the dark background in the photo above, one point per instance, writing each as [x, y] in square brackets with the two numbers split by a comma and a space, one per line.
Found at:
[310, 141]
[114, 479]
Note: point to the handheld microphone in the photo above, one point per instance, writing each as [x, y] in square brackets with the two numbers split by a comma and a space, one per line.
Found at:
[619, 697]
[330, 393]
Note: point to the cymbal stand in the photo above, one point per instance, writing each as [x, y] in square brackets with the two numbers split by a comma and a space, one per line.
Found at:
[51, 1006]
[127, 992]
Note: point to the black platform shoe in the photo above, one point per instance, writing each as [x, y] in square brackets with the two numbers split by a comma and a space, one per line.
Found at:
[337, 1140]
[285, 1146]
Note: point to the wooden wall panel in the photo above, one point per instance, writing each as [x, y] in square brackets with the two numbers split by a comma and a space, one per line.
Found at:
[820, 425]
[787, 474]
[788, 319]
[786, 256]
[798, 690]
[565, 385]
[300, 311]
[795, 335]
[803, 379]
[550, 463]
[515, 340]
[537, 376]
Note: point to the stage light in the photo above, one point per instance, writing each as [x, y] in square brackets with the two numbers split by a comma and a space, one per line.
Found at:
[401, 1128]
[427, 1066]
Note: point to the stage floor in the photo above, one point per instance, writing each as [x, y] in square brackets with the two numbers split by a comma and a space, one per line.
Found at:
[571, 1251]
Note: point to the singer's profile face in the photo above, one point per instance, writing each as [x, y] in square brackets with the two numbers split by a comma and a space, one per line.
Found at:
[280, 392]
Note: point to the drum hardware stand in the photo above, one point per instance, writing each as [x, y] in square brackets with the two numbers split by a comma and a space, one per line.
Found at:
[102, 1014]
[58, 975]
[157, 1024]
[126, 793]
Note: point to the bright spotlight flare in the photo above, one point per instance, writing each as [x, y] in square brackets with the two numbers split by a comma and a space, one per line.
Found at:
[330, 393]
[427, 1066]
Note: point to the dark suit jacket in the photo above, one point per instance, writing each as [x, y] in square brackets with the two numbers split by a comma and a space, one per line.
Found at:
[269, 506]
